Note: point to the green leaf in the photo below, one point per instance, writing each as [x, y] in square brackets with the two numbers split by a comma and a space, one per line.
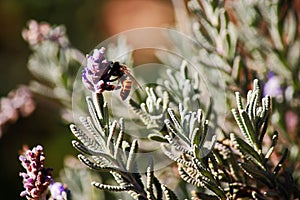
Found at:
[86, 141]
[131, 156]
[158, 188]
[118, 144]
[272, 147]
[279, 165]
[112, 188]
[110, 138]
[95, 166]
[250, 130]
[240, 123]
[180, 132]
[157, 137]
[149, 180]
[258, 174]
[98, 136]
[169, 194]
[246, 150]
[239, 101]
[97, 119]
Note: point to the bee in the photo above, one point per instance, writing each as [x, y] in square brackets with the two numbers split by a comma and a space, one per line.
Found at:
[121, 73]
[125, 88]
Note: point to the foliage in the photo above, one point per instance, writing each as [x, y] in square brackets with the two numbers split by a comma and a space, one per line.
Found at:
[238, 40]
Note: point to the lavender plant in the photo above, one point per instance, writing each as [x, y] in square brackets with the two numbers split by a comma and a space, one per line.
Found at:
[249, 160]
[247, 39]
[38, 180]
[106, 149]
[53, 63]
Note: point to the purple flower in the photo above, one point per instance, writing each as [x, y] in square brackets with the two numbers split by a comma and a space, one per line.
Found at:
[58, 35]
[59, 191]
[273, 86]
[36, 32]
[22, 100]
[18, 103]
[291, 121]
[96, 67]
[37, 178]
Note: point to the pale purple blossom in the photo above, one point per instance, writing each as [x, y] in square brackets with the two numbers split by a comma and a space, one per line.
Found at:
[18, 103]
[22, 100]
[59, 191]
[36, 32]
[291, 121]
[96, 67]
[273, 86]
[58, 35]
[39, 32]
[37, 178]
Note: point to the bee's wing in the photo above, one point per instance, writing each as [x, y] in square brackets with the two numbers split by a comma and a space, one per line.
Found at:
[134, 81]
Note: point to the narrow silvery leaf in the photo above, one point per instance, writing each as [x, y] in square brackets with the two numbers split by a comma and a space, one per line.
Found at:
[131, 156]
[112, 187]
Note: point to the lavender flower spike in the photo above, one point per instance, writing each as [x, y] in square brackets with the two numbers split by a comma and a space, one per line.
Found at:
[96, 66]
[37, 178]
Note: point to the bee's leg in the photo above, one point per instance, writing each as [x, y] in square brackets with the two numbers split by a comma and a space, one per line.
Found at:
[108, 87]
[118, 86]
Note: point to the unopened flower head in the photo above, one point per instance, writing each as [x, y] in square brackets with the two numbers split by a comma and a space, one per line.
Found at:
[37, 178]
[96, 66]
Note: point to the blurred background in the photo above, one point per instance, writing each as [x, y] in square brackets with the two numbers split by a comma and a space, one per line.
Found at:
[87, 23]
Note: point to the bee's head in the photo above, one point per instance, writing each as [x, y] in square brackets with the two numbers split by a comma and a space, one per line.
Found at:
[115, 64]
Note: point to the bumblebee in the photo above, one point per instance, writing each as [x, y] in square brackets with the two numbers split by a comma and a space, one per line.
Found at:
[119, 72]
